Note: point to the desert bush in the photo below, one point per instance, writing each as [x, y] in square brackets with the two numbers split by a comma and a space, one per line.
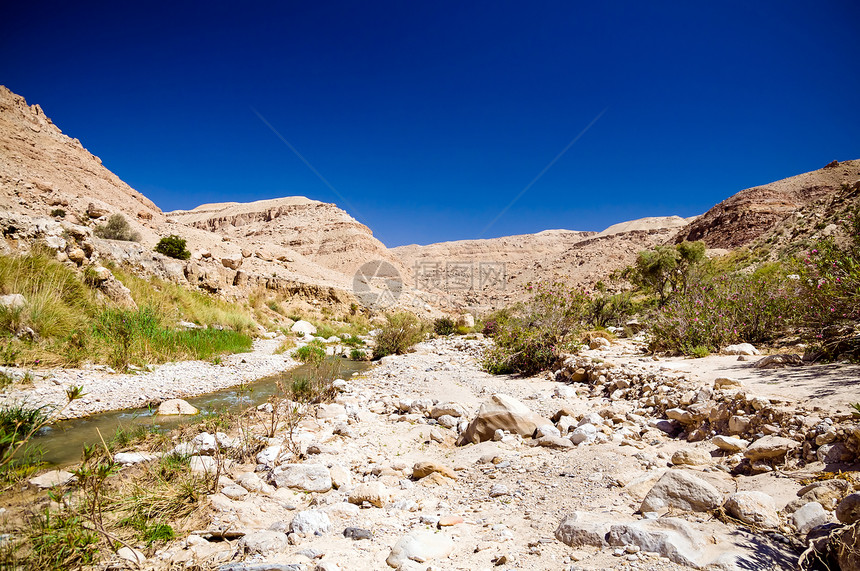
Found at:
[58, 213]
[716, 311]
[401, 331]
[117, 228]
[444, 326]
[537, 332]
[173, 247]
[611, 309]
[313, 352]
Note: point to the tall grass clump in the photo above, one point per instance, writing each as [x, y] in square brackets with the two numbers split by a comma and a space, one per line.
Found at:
[313, 352]
[139, 337]
[401, 331]
[533, 335]
[57, 300]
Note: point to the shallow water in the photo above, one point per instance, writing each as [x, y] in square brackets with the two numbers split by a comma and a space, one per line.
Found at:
[63, 441]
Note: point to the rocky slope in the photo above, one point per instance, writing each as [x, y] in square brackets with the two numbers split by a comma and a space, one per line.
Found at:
[750, 213]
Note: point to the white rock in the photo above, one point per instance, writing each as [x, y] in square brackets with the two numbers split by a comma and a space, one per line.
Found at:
[132, 555]
[264, 542]
[269, 456]
[175, 407]
[204, 443]
[303, 327]
[808, 516]
[51, 479]
[681, 490]
[13, 301]
[729, 443]
[583, 528]
[421, 546]
[723, 382]
[373, 492]
[129, 458]
[753, 508]
[304, 477]
[311, 522]
[741, 349]
[585, 433]
[547, 430]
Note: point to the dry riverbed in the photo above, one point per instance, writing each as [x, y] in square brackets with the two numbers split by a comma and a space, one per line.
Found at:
[612, 483]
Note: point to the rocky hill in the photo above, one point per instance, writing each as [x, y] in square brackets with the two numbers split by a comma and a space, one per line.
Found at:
[747, 215]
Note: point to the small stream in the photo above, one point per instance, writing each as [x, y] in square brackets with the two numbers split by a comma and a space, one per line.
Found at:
[63, 441]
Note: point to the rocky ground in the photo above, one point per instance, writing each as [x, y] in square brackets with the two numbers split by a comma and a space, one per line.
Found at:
[633, 467]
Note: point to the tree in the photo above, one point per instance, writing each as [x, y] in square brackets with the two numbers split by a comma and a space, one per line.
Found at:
[173, 246]
[668, 267]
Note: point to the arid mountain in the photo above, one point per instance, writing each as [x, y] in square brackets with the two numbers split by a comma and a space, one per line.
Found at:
[54, 191]
[485, 274]
[750, 213]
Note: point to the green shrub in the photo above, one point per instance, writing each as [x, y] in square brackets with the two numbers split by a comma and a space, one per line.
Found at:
[536, 333]
[173, 247]
[668, 267]
[117, 228]
[313, 352]
[58, 213]
[444, 326]
[718, 311]
[699, 352]
[401, 331]
[357, 355]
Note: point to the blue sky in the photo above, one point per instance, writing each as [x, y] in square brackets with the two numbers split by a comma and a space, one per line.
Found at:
[427, 119]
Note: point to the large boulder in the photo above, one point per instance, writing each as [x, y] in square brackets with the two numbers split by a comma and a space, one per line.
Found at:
[848, 510]
[672, 538]
[501, 412]
[311, 522]
[683, 491]
[583, 528]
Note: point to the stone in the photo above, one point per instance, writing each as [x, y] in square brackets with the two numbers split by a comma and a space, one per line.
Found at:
[51, 479]
[753, 508]
[375, 493]
[584, 434]
[340, 477]
[729, 443]
[331, 410]
[304, 477]
[501, 412]
[264, 542]
[13, 301]
[683, 491]
[583, 528]
[449, 520]
[175, 407]
[724, 382]
[499, 490]
[357, 533]
[828, 493]
[206, 464]
[234, 492]
[96, 211]
[448, 408]
[738, 424]
[848, 510]
[423, 469]
[311, 522]
[671, 538]
[232, 262]
[131, 555]
[846, 545]
[421, 546]
[639, 486]
[204, 444]
[769, 447]
[691, 457]
[546, 430]
[778, 361]
[303, 327]
[77, 255]
[834, 453]
[741, 349]
[556, 442]
[129, 458]
[447, 421]
[809, 516]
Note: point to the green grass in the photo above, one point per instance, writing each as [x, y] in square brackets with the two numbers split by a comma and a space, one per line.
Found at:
[313, 352]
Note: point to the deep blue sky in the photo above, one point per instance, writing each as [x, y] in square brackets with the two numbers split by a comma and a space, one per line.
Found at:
[428, 118]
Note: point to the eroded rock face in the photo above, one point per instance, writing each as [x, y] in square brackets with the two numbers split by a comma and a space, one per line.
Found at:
[501, 412]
